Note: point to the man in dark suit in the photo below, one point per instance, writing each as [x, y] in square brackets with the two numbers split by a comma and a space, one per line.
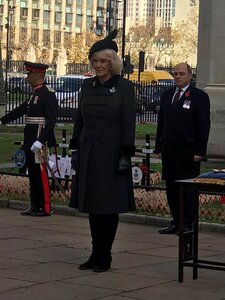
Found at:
[181, 140]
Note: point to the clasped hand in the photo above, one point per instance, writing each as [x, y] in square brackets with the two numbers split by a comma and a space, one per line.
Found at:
[36, 146]
[124, 165]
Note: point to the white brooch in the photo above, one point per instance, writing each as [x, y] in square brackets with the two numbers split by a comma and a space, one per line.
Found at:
[187, 104]
[112, 90]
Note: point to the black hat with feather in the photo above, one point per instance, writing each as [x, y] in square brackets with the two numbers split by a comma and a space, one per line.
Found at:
[106, 43]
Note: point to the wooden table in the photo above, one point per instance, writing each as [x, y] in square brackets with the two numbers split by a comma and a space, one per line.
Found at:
[188, 241]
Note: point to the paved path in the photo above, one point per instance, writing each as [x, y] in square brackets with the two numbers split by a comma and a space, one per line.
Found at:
[39, 259]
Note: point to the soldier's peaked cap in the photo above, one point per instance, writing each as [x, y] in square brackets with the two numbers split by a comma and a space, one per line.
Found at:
[106, 43]
[30, 67]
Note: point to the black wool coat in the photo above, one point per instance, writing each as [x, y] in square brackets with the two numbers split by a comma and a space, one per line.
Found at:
[182, 132]
[104, 130]
[42, 103]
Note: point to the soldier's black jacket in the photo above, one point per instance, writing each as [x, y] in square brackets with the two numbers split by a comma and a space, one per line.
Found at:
[41, 103]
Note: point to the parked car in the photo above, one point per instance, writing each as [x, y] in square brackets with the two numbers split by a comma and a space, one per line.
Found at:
[67, 90]
[150, 96]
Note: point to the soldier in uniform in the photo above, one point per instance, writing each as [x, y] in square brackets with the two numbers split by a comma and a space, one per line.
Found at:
[41, 111]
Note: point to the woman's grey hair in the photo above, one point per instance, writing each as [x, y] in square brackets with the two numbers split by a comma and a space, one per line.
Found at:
[116, 62]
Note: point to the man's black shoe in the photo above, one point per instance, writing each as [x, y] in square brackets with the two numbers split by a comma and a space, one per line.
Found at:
[38, 212]
[171, 229]
[27, 212]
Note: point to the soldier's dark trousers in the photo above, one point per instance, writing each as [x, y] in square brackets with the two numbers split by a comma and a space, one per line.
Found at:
[37, 190]
[103, 232]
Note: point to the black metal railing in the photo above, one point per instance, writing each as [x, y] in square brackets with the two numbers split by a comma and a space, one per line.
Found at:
[147, 97]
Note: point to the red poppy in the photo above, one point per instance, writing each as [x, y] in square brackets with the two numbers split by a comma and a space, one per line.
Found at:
[187, 94]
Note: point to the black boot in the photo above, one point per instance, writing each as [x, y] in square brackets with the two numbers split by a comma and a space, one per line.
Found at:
[103, 231]
[89, 264]
[103, 264]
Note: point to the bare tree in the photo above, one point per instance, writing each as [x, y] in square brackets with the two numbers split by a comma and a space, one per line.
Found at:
[78, 48]
[164, 43]
[185, 36]
[138, 39]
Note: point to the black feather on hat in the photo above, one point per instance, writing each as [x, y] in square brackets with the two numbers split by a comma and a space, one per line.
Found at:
[106, 43]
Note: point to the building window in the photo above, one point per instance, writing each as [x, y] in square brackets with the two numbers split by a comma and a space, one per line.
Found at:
[23, 3]
[100, 3]
[47, 4]
[58, 8]
[58, 17]
[23, 33]
[78, 29]
[46, 36]
[35, 13]
[46, 15]
[89, 12]
[35, 5]
[69, 2]
[23, 12]
[69, 18]
[98, 31]
[100, 21]
[67, 36]
[89, 23]
[1, 9]
[58, 37]
[35, 35]
[78, 19]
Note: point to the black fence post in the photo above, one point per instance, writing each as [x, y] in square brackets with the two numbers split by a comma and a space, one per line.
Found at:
[64, 142]
[147, 143]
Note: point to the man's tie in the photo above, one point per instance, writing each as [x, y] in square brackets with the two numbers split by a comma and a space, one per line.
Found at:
[177, 96]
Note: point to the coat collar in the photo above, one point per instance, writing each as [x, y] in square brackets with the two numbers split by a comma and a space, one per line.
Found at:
[109, 83]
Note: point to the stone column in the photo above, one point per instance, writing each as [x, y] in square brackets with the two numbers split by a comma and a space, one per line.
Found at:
[211, 69]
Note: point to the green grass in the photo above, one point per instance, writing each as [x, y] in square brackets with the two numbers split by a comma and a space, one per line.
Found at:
[7, 148]
[143, 129]
[9, 134]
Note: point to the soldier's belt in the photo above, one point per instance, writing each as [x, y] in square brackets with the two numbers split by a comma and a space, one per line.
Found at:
[35, 120]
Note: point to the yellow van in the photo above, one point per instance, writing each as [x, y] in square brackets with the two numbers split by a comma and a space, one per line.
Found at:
[156, 76]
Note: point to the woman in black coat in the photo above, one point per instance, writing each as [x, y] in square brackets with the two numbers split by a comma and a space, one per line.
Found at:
[102, 145]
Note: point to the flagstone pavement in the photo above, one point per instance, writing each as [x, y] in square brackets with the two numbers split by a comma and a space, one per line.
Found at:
[39, 259]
